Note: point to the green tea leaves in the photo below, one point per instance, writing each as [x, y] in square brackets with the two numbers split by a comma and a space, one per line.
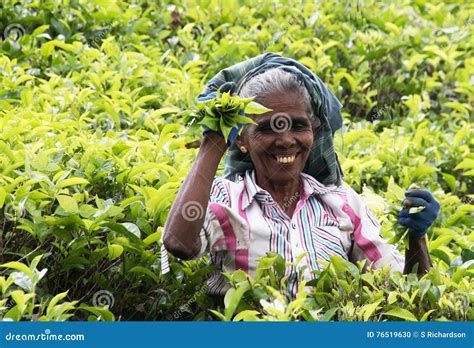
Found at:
[394, 191]
[254, 108]
[71, 182]
[401, 313]
[96, 100]
[223, 113]
[68, 203]
[19, 267]
[115, 250]
[232, 299]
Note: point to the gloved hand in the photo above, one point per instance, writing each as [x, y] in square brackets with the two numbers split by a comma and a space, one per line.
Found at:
[225, 87]
[418, 223]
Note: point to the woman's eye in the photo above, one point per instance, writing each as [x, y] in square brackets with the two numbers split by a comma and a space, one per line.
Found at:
[299, 126]
[265, 129]
[295, 126]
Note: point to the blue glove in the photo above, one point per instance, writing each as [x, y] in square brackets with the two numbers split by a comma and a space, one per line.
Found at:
[418, 223]
[226, 87]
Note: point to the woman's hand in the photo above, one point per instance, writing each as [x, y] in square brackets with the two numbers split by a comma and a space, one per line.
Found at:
[419, 222]
[226, 87]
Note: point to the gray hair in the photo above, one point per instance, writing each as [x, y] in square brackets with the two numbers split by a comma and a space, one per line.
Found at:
[275, 81]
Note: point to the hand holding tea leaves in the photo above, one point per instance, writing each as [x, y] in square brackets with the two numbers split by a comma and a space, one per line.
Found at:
[224, 113]
[421, 209]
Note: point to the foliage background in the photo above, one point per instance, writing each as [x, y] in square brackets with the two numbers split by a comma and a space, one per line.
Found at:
[93, 150]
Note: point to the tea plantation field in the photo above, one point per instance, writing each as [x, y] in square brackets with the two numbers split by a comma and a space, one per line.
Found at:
[93, 149]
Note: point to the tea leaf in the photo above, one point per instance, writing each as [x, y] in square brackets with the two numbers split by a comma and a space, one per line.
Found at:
[19, 267]
[254, 108]
[115, 250]
[395, 191]
[68, 203]
[70, 182]
[232, 299]
[401, 313]
[370, 309]
[3, 195]
[145, 271]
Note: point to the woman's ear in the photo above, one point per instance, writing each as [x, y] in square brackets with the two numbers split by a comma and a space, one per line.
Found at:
[239, 141]
[316, 125]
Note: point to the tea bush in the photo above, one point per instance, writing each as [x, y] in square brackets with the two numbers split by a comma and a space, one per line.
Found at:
[93, 148]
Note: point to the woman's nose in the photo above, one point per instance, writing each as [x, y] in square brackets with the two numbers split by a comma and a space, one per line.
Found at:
[285, 138]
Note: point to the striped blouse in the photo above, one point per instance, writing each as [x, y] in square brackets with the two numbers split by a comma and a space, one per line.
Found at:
[243, 223]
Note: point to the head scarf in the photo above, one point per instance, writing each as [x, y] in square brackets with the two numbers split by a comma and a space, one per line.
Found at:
[322, 163]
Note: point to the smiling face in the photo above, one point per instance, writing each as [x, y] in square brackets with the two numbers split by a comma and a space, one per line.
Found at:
[281, 142]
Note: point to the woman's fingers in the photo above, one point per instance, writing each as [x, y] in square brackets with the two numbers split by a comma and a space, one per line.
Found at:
[207, 97]
[228, 87]
[403, 220]
[403, 214]
[415, 202]
[424, 194]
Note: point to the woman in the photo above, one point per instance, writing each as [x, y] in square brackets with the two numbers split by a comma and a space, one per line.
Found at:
[283, 190]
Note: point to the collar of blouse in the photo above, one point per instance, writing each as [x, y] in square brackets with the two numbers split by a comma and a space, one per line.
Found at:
[310, 186]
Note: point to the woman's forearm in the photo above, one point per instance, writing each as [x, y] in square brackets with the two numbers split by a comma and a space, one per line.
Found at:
[417, 253]
[187, 213]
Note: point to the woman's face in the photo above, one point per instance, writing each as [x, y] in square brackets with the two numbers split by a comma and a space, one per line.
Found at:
[281, 142]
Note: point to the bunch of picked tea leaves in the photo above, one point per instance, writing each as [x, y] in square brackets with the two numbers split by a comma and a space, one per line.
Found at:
[225, 112]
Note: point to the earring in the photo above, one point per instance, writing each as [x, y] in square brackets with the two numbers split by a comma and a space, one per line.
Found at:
[243, 149]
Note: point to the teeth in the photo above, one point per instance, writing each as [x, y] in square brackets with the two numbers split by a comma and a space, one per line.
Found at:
[285, 159]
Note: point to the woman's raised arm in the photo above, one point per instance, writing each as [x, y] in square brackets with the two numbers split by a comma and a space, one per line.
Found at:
[181, 233]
